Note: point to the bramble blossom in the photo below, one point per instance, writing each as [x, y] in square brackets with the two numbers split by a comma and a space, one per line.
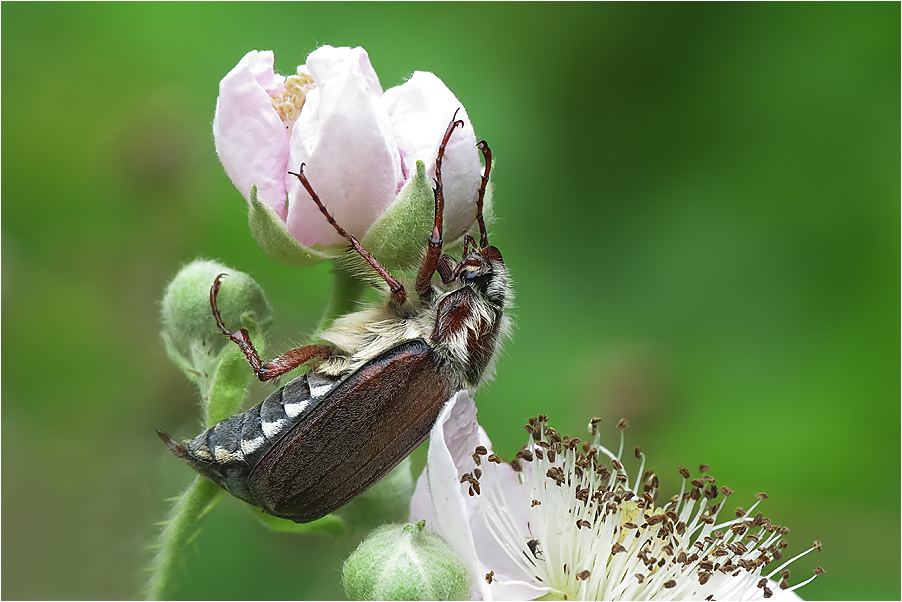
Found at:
[567, 521]
[360, 145]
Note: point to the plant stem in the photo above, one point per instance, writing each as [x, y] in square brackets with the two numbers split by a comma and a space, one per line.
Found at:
[179, 531]
[346, 292]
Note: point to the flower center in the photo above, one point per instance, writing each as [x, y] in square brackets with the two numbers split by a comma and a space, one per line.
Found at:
[289, 101]
[590, 534]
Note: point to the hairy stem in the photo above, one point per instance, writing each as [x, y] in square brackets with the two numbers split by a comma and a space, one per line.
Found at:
[200, 497]
[224, 397]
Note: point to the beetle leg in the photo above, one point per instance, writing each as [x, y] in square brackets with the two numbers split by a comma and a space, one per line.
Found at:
[434, 250]
[398, 294]
[273, 368]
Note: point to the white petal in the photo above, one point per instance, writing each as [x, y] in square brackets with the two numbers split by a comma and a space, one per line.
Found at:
[451, 507]
[421, 507]
[420, 110]
[489, 550]
[344, 136]
[250, 139]
[441, 500]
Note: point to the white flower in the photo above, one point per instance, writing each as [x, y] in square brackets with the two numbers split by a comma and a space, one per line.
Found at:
[360, 146]
[566, 519]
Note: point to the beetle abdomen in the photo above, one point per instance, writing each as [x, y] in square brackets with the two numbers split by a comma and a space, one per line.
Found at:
[369, 422]
[227, 452]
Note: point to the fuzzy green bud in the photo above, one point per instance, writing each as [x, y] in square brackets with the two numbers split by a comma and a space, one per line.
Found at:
[405, 562]
[193, 340]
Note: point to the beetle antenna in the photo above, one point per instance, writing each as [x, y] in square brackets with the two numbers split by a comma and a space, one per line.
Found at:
[487, 154]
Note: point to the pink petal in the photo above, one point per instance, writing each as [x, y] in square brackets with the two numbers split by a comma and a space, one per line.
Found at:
[344, 136]
[328, 63]
[250, 139]
[420, 110]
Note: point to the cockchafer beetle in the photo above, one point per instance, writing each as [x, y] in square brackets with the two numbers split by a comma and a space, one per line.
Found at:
[374, 390]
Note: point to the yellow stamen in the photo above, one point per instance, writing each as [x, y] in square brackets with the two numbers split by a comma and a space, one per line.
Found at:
[289, 101]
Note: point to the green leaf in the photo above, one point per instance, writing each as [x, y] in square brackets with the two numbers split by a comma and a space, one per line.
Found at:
[277, 242]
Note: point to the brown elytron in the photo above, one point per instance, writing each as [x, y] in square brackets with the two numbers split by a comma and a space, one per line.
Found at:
[374, 390]
[347, 444]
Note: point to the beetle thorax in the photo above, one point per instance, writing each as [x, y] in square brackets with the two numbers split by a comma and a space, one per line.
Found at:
[464, 322]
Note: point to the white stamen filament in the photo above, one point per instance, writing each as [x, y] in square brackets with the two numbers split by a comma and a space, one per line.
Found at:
[597, 538]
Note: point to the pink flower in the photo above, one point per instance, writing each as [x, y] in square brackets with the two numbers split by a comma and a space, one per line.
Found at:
[570, 523]
[360, 146]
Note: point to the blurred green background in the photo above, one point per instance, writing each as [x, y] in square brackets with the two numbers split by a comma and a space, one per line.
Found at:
[699, 204]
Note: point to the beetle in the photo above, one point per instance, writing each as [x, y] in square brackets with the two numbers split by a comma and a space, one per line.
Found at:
[374, 390]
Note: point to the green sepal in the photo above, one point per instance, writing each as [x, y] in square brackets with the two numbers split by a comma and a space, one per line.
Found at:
[178, 359]
[277, 242]
[398, 236]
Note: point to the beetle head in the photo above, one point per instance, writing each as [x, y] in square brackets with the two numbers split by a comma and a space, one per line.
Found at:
[480, 267]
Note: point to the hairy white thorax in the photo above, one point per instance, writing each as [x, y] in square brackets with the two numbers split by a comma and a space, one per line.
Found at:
[360, 336]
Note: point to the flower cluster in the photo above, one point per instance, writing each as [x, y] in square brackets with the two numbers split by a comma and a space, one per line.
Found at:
[565, 518]
[360, 145]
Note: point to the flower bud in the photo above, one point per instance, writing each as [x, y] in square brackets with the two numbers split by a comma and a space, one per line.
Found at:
[193, 340]
[405, 562]
[364, 151]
